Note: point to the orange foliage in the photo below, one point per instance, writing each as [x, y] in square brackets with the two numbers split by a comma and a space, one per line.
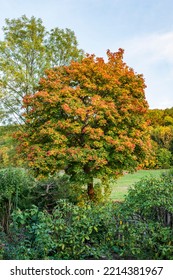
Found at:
[87, 118]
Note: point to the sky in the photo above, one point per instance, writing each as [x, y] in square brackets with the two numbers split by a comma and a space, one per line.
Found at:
[143, 28]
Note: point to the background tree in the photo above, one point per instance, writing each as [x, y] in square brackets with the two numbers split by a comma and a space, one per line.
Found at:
[25, 52]
[161, 132]
[163, 136]
[88, 118]
[156, 117]
[160, 117]
[8, 155]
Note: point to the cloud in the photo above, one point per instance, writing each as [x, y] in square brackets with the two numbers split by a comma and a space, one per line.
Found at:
[152, 56]
[154, 46]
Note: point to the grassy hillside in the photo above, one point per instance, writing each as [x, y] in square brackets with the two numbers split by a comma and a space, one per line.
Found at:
[120, 187]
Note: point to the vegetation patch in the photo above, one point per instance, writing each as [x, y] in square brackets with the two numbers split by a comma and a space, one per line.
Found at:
[119, 188]
[78, 123]
[141, 227]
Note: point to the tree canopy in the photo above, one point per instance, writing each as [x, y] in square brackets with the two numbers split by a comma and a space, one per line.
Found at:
[26, 51]
[87, 118]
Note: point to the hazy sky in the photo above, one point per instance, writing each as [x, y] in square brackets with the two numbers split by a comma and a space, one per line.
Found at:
[143, 28]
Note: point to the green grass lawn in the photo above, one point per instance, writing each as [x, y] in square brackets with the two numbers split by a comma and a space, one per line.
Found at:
[120, 187]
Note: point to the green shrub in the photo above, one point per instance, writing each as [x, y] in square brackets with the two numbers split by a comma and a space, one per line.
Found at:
[164, 158]
[48, 191]
[152, 198]
[139, 228]
[29, 236]
[146, 219]
[87, 232]
[15, 187]
[69, 232]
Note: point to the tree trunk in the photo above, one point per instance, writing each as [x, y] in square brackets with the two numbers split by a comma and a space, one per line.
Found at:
[91, 192]
[90, 189]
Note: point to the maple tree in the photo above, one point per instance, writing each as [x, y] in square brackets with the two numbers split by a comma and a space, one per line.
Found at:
[88, 119]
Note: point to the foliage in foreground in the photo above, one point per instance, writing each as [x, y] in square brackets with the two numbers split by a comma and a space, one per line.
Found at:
[147, 219]
[139, 228]
[59, 186]
[70, 232]
[15, 190]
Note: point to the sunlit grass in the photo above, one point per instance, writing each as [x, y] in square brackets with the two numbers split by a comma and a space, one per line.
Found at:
[120, 187]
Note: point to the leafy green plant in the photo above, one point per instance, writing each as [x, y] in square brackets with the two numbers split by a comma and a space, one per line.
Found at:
[58, 186]
[86, 231]
[145, 230]
[152, 198]
[15, 187]
[49, 191]
[70, 232]
[141, 227]
[163, 157]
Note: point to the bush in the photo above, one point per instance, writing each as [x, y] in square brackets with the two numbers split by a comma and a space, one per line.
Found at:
[15, 188]
[139, 228]
[146, 227]
[163, 157]
[69, 232]
[49, 191]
